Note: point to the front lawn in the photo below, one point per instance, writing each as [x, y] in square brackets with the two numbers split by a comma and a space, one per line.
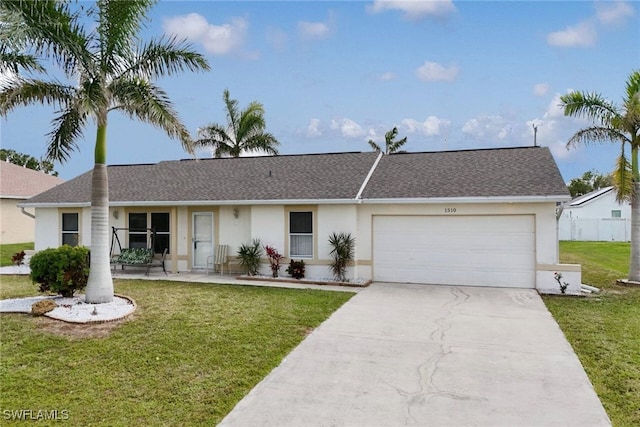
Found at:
[8, 250]
[186, 357]
[604, 329]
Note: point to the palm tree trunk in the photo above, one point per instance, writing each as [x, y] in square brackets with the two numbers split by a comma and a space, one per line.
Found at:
[100, 283]
[634, 262]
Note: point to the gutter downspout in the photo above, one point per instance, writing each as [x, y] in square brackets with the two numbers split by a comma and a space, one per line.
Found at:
[366, 180]
[27, 213]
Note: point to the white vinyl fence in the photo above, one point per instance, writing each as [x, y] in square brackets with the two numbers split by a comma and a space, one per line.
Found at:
[596, 229]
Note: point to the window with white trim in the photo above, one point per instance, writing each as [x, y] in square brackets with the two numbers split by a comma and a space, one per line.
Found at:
[301, 234]
[140, 222]
[616, 213]
[70, 228]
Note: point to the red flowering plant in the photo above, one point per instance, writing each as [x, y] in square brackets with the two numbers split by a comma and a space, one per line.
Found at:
[274, 259]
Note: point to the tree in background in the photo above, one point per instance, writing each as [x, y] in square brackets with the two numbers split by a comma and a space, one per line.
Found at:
[244, 131]
[27, 161]
[98, 49]
[590, 181]
[391, 146]
[618, 124]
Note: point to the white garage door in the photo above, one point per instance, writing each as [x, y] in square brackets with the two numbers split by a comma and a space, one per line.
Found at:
[455, 250]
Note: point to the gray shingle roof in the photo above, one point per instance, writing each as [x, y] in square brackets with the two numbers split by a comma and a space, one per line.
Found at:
[473, 173]
[504, 172]
[293, 177]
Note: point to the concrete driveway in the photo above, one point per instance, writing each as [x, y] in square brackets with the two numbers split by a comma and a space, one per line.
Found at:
[418, 355]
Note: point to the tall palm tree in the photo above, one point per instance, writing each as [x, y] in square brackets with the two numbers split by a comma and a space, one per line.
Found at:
[613, 123]
[244, 131]
[391, 146]
[107, 70]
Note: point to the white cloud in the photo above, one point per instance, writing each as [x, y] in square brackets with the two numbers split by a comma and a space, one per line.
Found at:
[541, 89]
[553, 129]
[415, 10]
[613, 13]
[316, 30]
[387, 76]
[488, 127]
[276, 38]
[430, 127]
[216, 39]
[348, 128]
[432, 72]
[582, 35]
[313, 128]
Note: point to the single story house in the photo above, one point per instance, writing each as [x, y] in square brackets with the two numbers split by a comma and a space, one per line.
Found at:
[472, 217]
[596, 216]
[17, 184]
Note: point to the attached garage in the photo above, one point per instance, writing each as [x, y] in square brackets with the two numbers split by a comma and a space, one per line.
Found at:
[491, 250]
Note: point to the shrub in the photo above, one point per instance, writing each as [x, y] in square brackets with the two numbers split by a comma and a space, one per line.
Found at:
[41, 307]
[62, 270]
[274, 259]
[18, 258]
[296, 269]
[342, 254]
[249, 255]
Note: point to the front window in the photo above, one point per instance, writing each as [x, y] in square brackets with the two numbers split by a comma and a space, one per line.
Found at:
[139, 233]
[616, 213]
[70, 229]
[301, 234]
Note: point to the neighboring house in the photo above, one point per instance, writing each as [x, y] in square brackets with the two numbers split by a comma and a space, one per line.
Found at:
[18, 184]
[473, 217]
[596, 216]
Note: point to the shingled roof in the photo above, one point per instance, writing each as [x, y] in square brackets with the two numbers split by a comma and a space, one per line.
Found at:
[506, 172]
[18, 182]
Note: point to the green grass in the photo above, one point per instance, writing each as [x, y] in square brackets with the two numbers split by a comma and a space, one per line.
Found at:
[8, 250]
[604, 329]
[189, 354]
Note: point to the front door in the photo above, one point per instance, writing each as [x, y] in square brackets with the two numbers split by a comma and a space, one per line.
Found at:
[202, 238]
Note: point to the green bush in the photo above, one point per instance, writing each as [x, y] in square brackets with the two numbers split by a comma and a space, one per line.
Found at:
[62, 270]
[296, 269]
[342, 254]
[249, 255]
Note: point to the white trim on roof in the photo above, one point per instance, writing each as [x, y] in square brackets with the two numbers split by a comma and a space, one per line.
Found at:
[490, 199]
[368, 177]
[501, 199]
[589, 196]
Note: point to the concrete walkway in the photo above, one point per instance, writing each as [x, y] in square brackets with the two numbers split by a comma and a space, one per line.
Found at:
[416, 355]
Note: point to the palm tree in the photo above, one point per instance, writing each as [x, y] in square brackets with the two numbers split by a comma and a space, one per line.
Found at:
[391, 145]
[107, 71]
[613, 123]
[244, 132]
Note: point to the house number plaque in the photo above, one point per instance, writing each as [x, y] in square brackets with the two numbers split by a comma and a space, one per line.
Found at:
[449, 210]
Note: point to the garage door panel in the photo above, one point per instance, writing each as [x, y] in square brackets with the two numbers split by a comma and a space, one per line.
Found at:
[460, 250]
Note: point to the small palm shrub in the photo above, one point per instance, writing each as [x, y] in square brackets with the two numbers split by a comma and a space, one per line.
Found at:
[342, 254]
[62, 270]
[296, 269]
[249, 255]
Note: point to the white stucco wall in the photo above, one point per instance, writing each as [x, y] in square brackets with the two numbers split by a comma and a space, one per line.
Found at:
[241, 224]
[47, 229]
[546, 244]
[600, 207]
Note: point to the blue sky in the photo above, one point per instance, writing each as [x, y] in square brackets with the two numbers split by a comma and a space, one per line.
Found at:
[332, 75]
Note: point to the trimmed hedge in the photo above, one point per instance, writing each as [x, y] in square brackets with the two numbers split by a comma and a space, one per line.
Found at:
[62, 270]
